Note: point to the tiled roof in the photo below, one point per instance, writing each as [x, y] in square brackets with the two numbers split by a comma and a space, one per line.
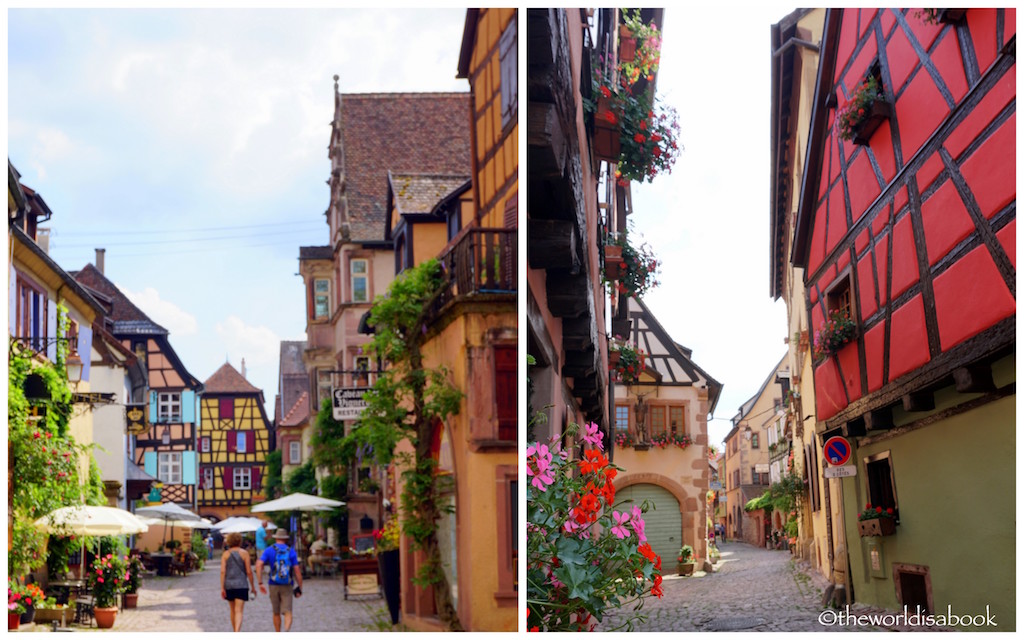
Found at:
[298, 414]
[126, 316]
[228, 380]
[402, 133]
[316, 253]
[419, 193]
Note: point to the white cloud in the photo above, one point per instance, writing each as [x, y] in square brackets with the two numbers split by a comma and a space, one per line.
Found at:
[259, 345]
[172, 317]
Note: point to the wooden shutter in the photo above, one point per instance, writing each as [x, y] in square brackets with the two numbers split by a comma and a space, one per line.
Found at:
[250, 441]
[256, 478]
[229, 478]
[152, 407]
[509, 65]
[505, 390]
[188, 406]
[149, 463]
[232, 441]
[188, 467]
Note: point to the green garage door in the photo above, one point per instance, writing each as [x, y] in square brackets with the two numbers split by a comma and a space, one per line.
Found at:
[664, 524]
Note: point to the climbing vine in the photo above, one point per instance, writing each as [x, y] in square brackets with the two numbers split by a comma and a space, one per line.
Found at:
[42, 450]
[406, 402]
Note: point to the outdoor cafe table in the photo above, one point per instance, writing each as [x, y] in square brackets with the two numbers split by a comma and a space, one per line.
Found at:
[163, 563]
[66, 589]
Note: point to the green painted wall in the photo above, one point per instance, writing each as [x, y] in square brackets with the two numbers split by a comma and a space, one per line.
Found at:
[955, 486]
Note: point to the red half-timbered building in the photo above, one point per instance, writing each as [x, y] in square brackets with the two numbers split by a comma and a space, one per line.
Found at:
[910, 230]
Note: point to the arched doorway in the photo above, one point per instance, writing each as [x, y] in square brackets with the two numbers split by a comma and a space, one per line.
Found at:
[663, 523]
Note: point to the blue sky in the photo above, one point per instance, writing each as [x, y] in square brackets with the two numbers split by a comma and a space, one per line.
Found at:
[192, 145]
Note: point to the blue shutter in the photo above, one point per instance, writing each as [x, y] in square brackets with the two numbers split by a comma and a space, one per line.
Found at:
[188, 467]
[152, 408]
[149, 463]
[188, 406]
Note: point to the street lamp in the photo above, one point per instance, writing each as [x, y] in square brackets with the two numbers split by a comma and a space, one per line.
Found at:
[74, 365]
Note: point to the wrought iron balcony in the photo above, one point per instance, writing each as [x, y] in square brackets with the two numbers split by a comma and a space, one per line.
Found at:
[483, 263]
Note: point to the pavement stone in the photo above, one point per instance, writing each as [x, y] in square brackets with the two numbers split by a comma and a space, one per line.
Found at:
[193, 603]
[751, 589]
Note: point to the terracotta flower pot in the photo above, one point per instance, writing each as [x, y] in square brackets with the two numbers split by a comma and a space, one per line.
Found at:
[104, 616]
[686, 568]
[131, 600]
[613, 261]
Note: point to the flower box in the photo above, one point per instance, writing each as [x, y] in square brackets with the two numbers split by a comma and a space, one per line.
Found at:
[627, 44]
[62, 615]
[877, 527]
[612, 261]
[879, 113]
[607, 134]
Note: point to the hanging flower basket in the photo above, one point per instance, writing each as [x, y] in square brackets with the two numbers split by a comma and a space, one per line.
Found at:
[627, 44]
[836, 332]
[629, 363]
[612, 262]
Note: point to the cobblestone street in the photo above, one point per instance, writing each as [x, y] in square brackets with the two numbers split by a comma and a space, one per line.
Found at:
[752, 589]
[193, 603]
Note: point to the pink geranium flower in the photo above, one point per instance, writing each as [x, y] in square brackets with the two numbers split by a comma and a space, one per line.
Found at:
[619, 530]
[592, 435]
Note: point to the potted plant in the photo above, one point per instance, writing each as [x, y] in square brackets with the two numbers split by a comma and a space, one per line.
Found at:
[390, 568]
[629, 362]
[612, 257]
[838, 329]
[49, 611]
[623, 439]
[663, 440]
[107, 578]
[685, 559]
[714, 554]
[14, 611]
[33, 595]
[134, 582]
[639, 48]
[172, 545]
[864, 113]
[875, 521]
[638, 272]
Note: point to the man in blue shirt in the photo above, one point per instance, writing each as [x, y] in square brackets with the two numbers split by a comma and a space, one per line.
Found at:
[261, 538]
[284, 571]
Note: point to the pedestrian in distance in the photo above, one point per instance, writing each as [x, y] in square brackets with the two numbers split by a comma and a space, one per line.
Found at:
[236, 579]
[261, 538]
[284, 573]
[209, 546]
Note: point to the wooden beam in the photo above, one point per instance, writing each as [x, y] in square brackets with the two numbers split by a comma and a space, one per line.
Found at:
[576, 333]
[974, 379]
[546, 141]
[879, 419]
[919, 401]
[552, 245]
[855, 428]
[567, 294]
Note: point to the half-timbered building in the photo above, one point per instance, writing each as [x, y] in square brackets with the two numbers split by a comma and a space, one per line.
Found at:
[167, 449]
[661, 433]
[909, 230]
[232, 443]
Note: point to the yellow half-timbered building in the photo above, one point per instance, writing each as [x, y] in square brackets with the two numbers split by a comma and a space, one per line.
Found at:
[233, 441]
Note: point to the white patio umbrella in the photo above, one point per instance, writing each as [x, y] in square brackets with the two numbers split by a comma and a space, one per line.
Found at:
[298, 502]
[169, 513]
[202, 523]
[241, 524]
[87, 520]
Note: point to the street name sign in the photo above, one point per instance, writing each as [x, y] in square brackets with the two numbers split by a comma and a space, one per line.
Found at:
[845, 471]
[348, 402]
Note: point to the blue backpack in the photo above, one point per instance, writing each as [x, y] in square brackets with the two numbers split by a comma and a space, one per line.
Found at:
[281, 569]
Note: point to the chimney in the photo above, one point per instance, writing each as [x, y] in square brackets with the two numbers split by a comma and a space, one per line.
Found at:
[243, 368]
[43, 239]
[99, 259]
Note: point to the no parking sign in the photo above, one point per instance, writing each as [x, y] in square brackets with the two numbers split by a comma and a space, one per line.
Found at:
[837, 451]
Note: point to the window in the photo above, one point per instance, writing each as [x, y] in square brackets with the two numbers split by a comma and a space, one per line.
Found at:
[240, 441]
[204, 444]
[621, 418]
[505, 390]
[169, 406]
[323, 386]
[881, 482]
[755, 441]
[362, 365]
[226, 407]
[169, 467]
[321, 299]
[656, 426]
[360, 284]
[676, 420]
[242, 478]
[30, 318]
[508, 52]
[838, 296]
[295, 452]
[207, 477]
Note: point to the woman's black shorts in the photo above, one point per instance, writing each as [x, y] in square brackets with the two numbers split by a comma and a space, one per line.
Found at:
[237, 594]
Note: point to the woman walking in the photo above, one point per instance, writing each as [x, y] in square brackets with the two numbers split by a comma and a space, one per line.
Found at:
[236, 579]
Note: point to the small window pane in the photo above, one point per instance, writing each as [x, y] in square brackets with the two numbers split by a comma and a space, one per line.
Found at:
[240, 442]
